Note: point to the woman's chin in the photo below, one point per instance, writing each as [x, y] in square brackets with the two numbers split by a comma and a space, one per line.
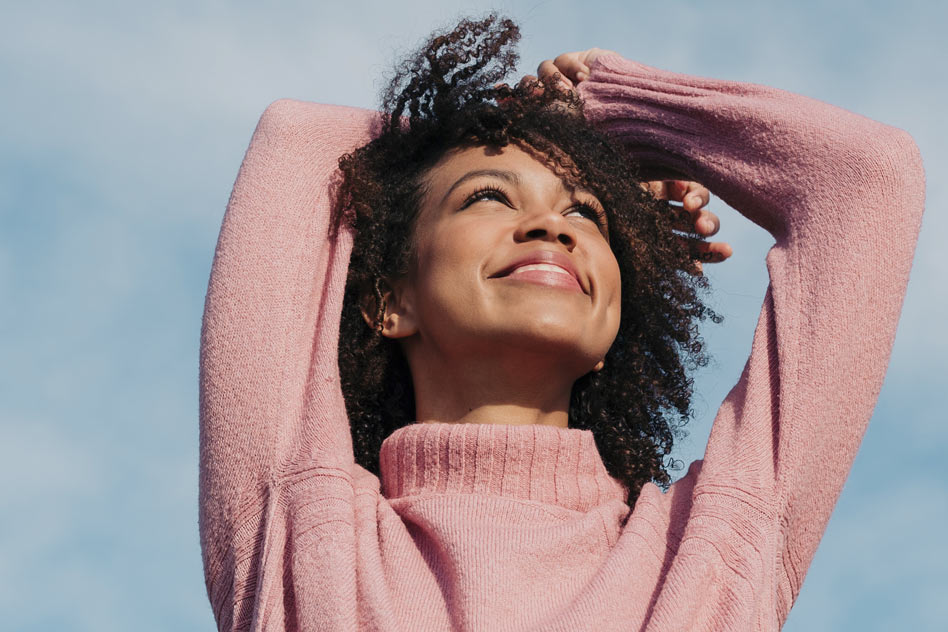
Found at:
[557, 326]
[552, 337]
[569, 323]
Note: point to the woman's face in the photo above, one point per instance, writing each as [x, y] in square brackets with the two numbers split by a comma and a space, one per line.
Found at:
[507, 257]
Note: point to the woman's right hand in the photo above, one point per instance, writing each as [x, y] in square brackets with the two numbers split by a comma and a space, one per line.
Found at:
[572, 68]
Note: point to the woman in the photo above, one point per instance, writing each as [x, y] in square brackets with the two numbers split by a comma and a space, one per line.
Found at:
[514, 290]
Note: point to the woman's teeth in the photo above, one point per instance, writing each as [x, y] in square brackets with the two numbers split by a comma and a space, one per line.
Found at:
[546, 267]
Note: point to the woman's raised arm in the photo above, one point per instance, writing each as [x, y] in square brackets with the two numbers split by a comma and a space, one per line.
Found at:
[843, 197]
[271, 408]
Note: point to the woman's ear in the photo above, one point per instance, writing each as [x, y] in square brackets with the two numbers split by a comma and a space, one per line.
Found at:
[387, 308]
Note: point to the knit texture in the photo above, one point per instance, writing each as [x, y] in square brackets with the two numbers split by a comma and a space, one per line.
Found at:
[496, 527]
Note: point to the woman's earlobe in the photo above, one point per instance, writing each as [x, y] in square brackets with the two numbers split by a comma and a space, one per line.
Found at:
[386, 311]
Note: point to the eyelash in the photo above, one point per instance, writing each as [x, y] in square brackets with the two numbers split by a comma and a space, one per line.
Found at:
[485, 192]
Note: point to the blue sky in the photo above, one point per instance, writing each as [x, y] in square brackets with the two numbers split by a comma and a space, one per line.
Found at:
[124, 125]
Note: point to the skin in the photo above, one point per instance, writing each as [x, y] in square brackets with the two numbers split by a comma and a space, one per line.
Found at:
[507, 349]
[485, 347]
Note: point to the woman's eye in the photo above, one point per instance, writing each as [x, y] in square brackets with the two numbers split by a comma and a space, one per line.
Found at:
[491, 195]
[486, 194]
[588, 212]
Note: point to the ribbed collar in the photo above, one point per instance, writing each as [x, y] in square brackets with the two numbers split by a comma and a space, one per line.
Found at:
[559, 466]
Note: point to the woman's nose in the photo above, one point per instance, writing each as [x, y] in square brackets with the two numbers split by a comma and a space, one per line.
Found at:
[546, 225]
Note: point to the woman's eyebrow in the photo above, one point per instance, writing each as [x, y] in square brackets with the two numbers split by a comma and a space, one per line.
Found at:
[509, 176]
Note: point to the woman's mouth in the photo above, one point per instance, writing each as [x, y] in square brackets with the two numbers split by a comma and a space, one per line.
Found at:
[544, 274]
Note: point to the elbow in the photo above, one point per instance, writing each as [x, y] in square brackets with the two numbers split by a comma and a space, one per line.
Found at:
[869, 191]
[885, 166]
[909, 176]
[280, 121]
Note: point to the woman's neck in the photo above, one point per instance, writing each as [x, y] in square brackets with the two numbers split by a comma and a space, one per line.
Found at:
[519, 390]
[509, 414]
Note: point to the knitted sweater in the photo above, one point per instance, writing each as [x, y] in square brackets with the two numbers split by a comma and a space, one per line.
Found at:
[499, 527]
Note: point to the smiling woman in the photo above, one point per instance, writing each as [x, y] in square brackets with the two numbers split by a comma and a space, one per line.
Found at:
[446, 348]
[511, 283]
[480, 177]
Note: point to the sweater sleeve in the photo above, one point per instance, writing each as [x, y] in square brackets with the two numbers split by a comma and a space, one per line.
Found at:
[271, 407]
[842, 196]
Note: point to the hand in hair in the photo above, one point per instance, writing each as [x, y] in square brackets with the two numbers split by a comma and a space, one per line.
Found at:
[570, 69]
[694, 218]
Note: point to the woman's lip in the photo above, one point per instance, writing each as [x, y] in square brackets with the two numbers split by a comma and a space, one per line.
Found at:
[551, 278]
[547, 277]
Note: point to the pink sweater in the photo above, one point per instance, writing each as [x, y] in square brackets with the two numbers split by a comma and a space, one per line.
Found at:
[495, 527]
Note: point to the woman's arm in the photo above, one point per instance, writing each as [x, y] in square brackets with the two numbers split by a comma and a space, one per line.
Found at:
[271, 408]
[843, 196]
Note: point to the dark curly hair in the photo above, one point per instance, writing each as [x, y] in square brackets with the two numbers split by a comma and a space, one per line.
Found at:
[445, 96]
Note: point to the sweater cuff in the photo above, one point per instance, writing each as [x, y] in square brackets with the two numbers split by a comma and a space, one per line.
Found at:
[649, 111]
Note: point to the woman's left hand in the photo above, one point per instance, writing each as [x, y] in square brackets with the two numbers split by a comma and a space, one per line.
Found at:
[570, 69]
[694, 217]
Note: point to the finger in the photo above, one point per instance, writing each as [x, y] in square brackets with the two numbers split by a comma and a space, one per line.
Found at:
[547, 70]
[705, 223]
[570, 65]
[696, 196]
[677, 189]
[658, 188]
[709, 251]
[692, 195]
[527, 81]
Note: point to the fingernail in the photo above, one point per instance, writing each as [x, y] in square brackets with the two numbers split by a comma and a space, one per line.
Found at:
[707, 225]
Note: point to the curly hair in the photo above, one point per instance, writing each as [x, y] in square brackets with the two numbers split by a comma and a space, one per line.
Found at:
[445, 96]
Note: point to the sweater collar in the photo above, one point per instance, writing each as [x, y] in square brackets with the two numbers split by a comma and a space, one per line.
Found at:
[547, 464]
